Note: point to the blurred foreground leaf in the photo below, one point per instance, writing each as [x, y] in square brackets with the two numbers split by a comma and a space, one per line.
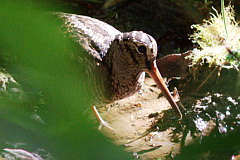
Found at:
[51, 115]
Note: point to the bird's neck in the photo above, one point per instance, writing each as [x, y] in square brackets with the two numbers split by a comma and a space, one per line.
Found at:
[125, 75]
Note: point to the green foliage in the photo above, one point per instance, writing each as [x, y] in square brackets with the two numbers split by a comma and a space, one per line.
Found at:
[215, 38]
[53, 114]
[234, 57]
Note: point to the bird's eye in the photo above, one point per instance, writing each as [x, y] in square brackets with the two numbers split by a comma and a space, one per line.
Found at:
[142, 49]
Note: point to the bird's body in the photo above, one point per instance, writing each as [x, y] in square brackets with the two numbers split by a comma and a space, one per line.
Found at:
[116, 61]
[173, 65]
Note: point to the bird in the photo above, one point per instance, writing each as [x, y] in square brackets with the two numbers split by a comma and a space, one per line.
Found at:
[173, 65]
[115, 61]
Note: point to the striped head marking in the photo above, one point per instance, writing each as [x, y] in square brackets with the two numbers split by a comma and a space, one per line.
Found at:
[143, 47]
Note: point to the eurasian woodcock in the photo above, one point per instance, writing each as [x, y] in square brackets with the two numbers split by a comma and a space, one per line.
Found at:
[116, 62]
[174, 65]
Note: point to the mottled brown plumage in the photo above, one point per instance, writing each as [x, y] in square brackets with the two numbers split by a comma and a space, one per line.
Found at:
[118, 61]
[173, 65]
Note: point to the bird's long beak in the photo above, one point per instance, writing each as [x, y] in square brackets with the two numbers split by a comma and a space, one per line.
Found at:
[156, 76]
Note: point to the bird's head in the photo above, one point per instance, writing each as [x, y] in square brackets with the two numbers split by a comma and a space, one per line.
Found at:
[142, 49]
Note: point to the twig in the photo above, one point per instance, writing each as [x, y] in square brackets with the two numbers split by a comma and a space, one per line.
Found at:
[206, 79]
